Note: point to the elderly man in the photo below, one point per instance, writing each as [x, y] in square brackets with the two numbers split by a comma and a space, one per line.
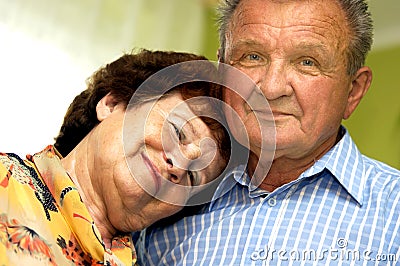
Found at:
[322, 201]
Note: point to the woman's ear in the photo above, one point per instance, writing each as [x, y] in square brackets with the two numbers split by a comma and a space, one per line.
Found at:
[105, 107]
[359, 87]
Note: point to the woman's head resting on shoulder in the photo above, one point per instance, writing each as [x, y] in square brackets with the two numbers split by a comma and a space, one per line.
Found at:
[140, 143]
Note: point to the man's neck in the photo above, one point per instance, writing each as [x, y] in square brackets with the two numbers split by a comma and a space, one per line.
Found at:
[282, 171]
[285, 169]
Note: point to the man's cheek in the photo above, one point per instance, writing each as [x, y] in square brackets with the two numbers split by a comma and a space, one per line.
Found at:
[236, 81]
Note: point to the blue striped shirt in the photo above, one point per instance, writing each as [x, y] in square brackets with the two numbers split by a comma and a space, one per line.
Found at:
[344, 210]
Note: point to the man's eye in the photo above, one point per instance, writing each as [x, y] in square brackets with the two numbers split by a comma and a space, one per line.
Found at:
[307, 62]
[252, 60]
[255, 57]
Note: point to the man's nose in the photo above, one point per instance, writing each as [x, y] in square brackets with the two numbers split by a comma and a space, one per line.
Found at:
[274, 82]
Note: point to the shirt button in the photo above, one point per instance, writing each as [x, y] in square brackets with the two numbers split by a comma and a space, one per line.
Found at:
[272, 201]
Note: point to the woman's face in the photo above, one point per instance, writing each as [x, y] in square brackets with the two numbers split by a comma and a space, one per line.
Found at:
[145, 161]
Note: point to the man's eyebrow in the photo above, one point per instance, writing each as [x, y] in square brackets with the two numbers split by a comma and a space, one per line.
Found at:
[246, 43]
[312, 46]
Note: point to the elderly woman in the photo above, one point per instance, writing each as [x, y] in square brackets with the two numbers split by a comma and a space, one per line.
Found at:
[125, 157]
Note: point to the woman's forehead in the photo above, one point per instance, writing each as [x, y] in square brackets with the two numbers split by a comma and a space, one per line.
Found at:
[187, 109]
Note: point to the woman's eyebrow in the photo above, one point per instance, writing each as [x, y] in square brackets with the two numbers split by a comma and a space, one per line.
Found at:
[188, 122]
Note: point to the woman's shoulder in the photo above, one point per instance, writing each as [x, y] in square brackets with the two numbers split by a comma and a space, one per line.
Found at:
[11, 165]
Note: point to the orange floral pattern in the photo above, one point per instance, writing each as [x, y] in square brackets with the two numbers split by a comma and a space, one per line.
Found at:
[43, 219]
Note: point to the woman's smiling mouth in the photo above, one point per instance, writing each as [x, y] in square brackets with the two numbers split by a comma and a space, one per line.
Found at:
[154, 172]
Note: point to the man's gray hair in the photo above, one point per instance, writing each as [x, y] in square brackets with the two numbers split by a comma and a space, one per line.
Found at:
[359, 22]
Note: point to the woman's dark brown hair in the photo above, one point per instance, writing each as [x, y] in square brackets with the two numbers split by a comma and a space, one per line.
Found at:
[124, 76]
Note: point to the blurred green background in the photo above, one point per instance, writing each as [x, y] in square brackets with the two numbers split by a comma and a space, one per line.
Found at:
[375, 125]
[49, 47]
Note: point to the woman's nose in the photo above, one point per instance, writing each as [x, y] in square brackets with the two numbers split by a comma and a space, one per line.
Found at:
[191, 151]
[175, 173]
[178, 163]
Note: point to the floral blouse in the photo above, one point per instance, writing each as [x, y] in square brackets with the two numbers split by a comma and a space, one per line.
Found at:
[43, 220]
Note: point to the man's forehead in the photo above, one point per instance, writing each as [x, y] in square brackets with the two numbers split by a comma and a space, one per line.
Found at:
[281, 14]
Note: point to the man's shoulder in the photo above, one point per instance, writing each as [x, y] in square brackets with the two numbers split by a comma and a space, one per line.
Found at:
[345, 160]
[379, 167]
[382, 184]
[380, 174]
[348, 150]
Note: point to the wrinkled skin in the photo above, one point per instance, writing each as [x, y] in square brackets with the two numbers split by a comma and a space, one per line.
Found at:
[295, 51]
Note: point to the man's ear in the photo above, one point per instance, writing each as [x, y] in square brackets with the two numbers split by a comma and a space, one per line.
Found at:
[105, 107]
[359, 87]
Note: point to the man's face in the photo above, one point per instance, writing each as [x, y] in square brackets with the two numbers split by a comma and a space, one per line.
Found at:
[295, 51]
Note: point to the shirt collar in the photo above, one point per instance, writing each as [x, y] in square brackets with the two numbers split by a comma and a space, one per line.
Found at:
[344, 162]
[236, 175]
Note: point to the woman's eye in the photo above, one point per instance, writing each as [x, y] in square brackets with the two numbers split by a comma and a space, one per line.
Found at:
[193, 178]
[178, 132]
